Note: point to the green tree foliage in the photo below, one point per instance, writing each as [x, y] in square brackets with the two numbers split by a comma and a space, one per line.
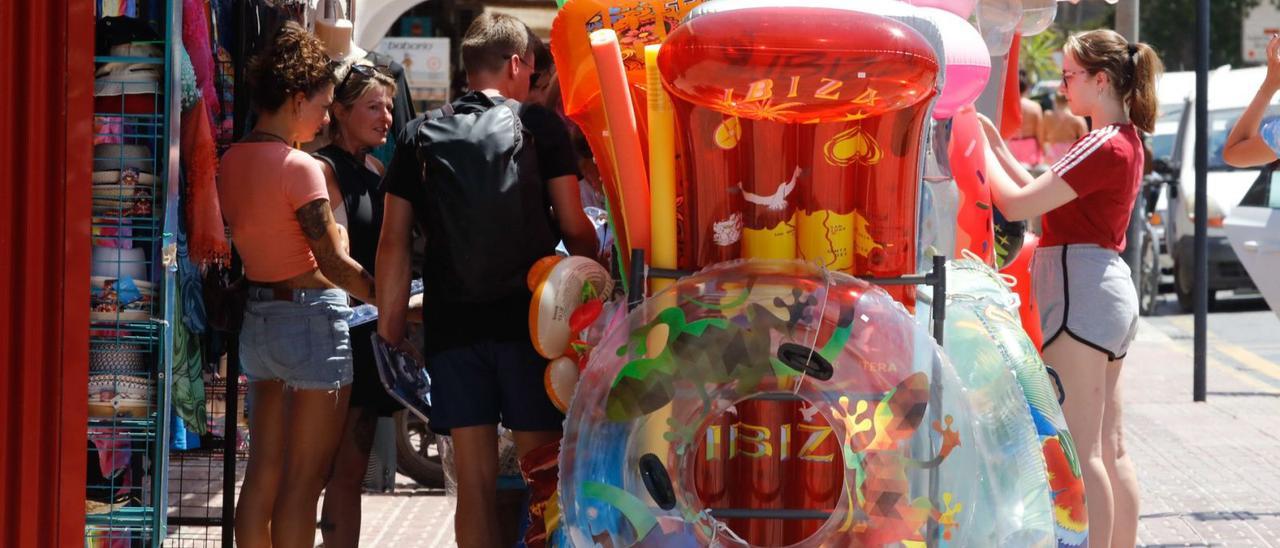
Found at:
[1169, 26]
[1036, 56]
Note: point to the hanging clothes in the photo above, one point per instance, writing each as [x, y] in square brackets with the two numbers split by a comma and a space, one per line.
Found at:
[187, 393]
[195, 38]
[223, 69]
[207, 238]
[187, 78]
[254, 21]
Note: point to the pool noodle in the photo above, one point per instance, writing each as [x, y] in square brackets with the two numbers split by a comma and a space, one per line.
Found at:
[628, 155]
[662, 171]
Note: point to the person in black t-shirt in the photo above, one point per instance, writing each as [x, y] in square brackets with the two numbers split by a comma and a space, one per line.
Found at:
[483, 367]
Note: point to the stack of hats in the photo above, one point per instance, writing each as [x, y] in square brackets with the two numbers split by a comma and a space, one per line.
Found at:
[129, 87]
[112, 395]
[123, 183]
[120, 299]
[119, 263]
[119, 358]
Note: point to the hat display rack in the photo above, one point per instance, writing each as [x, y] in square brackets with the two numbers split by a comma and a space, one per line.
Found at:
[132, 280]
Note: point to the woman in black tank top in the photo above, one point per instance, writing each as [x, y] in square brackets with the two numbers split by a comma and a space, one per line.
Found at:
[361, 118]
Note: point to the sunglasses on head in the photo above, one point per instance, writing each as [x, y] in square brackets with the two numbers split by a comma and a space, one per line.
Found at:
[367, 71]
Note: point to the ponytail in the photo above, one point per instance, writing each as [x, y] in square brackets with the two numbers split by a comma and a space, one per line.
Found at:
[1133, 69]
[1141, 100]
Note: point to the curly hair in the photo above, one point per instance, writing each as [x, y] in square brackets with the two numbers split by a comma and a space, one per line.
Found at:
[294, 61]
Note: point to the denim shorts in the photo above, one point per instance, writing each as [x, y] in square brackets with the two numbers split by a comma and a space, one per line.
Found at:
[304, 342]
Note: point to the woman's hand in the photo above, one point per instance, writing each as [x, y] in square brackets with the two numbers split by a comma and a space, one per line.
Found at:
[1245, 146]
[991, 131]
[1272, 81]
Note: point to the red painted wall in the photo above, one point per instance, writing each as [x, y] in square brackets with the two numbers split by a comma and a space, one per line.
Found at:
[46, 126]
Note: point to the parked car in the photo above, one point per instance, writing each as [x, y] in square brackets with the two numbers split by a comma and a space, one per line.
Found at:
[1229, 93]
[1254, 232]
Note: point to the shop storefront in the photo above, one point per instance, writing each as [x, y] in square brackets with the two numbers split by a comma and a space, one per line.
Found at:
[123, 401]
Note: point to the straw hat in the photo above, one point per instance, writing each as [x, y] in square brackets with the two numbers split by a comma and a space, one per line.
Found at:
[112, 262]
[120, 396]
[124, 177]
[108, 304]
[118, 358]
[109, 157]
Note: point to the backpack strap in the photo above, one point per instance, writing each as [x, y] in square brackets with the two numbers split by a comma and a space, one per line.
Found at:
[513, 106]
[444, 111]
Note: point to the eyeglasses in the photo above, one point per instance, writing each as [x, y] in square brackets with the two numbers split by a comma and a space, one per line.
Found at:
[1067, 74]
[534, 73]
[367, 71]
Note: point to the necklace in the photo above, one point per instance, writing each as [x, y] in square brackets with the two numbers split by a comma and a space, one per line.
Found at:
[268, 136]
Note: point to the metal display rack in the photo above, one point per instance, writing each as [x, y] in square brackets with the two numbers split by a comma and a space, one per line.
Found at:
[132, 288]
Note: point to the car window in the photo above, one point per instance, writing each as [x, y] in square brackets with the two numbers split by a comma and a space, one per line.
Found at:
[1265, 191]
[1220, 124]
[1162, 145]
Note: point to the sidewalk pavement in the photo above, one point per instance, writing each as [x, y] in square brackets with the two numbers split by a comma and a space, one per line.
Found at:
[1210, 472]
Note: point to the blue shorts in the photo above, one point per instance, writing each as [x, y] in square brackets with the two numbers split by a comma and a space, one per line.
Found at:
[304, 342]
[491, 382]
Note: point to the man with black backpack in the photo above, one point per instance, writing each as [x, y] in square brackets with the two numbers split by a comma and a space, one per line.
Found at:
[494, 186]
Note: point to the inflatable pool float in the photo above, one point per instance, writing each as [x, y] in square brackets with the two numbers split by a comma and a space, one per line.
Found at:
[748, 330]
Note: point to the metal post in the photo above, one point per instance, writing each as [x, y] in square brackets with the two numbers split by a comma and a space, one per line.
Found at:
[1202, 162]
[1127, 19]
[938, 308]
[230, 441]
[635, 280]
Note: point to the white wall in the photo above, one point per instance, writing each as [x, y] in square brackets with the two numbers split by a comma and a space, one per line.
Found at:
[375, 17]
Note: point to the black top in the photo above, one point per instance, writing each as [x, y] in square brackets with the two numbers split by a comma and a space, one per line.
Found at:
[451, 325]
[362, 198]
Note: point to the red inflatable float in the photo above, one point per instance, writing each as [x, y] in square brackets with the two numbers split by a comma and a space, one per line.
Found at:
[975, 222]
[799, 144]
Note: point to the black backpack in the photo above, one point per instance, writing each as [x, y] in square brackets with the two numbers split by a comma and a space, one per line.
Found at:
[491, 215]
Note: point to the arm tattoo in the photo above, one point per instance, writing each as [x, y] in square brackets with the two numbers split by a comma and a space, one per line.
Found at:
[315, 218]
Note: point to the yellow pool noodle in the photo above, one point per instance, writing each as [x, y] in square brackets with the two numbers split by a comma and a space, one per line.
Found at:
[662, 171]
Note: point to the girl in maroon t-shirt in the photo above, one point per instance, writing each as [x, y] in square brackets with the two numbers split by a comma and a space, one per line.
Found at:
[1088, 305]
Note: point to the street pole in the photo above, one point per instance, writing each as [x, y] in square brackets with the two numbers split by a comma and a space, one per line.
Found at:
[1127, 19]
[1202, 162]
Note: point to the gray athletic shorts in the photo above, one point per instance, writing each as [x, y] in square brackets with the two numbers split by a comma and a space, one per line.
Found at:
[1086, 291]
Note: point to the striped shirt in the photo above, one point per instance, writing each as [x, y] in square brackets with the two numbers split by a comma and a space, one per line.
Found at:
[1104, 168]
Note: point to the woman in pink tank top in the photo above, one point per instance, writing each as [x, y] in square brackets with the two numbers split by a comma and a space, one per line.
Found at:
[295, 346]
